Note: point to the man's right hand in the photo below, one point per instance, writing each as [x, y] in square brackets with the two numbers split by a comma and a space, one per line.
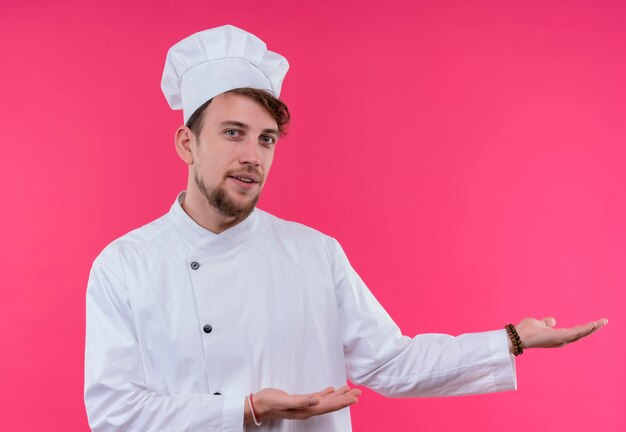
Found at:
[273, 403]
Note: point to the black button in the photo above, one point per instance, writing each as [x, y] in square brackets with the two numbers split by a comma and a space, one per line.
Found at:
[207, 328]
[217, 394]
[195, 265]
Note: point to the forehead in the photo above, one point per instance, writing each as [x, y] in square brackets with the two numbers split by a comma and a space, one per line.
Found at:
[239, 108]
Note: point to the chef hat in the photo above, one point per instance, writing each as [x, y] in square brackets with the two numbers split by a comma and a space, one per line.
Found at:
[213, 61]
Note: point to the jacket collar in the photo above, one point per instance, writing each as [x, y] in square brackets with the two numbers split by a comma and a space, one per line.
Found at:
[198, 237]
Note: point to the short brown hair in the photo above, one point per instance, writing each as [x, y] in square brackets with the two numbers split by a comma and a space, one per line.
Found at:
[275, 107]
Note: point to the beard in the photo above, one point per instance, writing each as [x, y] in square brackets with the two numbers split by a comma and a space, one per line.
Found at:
[218, 198]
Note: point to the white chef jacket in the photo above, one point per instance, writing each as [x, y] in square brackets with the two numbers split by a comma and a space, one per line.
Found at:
[182, 323]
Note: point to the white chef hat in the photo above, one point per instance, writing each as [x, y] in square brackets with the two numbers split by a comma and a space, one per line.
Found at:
[213, 61]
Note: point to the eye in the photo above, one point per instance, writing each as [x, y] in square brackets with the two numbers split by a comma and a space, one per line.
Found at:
[268, 139]
[232, 133]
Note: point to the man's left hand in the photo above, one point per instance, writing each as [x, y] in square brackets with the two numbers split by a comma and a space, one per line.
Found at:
[541, 333]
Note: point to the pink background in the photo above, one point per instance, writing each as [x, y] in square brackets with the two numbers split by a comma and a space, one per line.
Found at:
[469, 156]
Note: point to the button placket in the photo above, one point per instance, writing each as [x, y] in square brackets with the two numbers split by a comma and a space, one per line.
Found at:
[206, 277]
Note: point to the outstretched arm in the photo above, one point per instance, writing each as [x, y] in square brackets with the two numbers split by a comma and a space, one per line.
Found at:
[541, 333]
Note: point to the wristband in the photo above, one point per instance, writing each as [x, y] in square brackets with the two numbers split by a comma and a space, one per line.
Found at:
[254, 417]
[518, 348]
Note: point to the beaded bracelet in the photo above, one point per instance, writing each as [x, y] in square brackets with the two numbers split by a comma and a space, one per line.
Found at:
[254, 418]
[518, 348]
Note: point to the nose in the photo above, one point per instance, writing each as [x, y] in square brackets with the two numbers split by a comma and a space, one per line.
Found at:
[250, 153]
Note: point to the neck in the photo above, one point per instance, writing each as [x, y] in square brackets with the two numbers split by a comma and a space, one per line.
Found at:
[205, 215]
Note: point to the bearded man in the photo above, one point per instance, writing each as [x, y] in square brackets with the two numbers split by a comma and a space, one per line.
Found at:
[219, 315]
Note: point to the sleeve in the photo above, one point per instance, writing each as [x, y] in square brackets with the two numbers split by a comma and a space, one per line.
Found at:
[116, 397]
[378, 356]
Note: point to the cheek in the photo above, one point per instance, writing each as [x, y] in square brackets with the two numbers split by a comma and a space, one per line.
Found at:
[267, 161]
[209, 171]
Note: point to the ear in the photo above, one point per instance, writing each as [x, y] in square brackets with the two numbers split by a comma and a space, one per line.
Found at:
[184, 141]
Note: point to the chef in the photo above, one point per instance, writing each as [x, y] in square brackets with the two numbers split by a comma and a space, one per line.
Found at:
[219, 316]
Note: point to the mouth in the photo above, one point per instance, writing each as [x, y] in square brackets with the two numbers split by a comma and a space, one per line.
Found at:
[245, 180]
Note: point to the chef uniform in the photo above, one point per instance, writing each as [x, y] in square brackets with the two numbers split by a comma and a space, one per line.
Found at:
[183, 323]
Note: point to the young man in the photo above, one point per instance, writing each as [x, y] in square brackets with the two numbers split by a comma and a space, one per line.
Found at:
[219, 315]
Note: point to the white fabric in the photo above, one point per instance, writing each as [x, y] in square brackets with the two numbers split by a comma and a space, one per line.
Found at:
[287, 311]
[213, 61]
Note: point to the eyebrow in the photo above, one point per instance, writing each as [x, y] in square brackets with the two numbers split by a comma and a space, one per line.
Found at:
[246, 127]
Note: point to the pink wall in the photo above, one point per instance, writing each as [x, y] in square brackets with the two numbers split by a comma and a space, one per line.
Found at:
[469, 156]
